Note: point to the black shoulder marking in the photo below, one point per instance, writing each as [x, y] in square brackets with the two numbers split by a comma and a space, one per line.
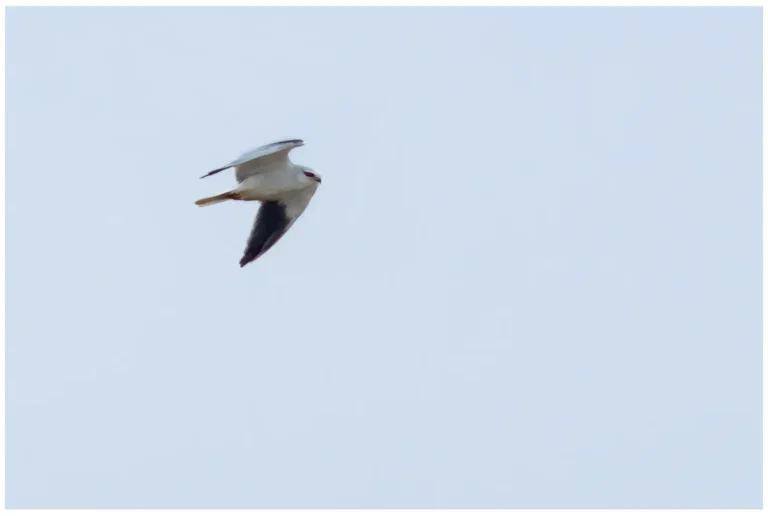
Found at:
[270, 224]
[289, 141]
[215, 171]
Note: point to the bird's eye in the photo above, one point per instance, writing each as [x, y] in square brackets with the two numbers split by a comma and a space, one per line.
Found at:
[309, 174]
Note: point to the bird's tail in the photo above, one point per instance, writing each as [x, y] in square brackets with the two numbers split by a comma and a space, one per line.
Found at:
[207, 201]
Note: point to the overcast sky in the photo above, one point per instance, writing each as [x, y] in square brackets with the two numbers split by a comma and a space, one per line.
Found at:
[531, 277]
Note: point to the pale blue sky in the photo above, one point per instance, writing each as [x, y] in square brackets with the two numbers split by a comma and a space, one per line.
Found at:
[530, 279]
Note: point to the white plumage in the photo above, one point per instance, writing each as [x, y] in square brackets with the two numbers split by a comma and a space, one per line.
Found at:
[283, 188]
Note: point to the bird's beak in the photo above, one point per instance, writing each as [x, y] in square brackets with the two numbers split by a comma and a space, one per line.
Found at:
[318, 179]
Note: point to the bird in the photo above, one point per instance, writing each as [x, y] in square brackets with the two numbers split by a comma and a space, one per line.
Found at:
[284, 189]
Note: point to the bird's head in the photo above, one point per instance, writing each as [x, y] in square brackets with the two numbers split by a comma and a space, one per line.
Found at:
[310, 175]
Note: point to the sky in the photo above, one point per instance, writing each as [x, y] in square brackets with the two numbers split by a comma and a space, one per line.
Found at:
[531, 277]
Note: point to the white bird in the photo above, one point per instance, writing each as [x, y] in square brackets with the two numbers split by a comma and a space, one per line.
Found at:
[283, 188]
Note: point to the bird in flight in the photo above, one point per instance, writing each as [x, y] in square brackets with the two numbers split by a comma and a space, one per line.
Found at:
[283, 188]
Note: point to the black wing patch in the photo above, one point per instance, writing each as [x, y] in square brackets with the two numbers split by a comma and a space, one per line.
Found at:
[271, 223]
[294, 142]
[215, 171]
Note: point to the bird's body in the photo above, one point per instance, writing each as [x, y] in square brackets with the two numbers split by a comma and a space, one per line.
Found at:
[283, 188]
[268, 186]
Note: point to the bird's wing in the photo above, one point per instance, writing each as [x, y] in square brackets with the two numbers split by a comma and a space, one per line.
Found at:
[273, 220]
[256, 160]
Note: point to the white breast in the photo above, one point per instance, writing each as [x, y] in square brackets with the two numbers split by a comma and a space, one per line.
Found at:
[270, 185]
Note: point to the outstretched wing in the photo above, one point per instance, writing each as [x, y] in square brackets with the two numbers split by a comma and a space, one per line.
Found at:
[258, 159]
[273, 220]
